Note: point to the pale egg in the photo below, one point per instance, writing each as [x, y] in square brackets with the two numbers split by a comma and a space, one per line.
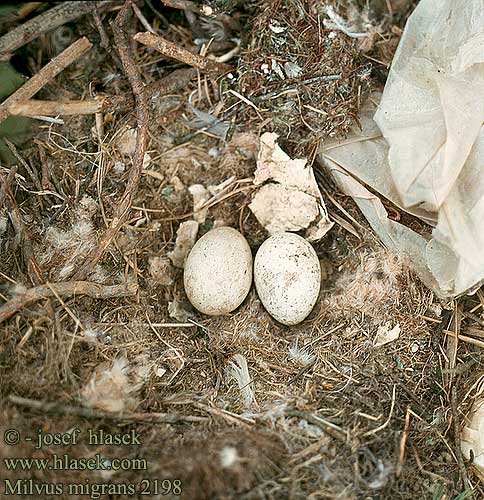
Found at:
[287, 277]
[218, 271]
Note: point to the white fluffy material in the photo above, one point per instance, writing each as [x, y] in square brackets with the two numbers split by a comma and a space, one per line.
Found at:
[238, 370]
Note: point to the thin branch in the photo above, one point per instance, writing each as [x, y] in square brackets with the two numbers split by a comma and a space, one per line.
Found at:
[30, 170]
[173, 82]
[390, 415]
[403, 442]
[46, 184]
[328, 427]
[26, 9]
[47, 407]
[183, 5]
[64, 289]
[465, 338]
[473, 317]
[102, 32]
[53, 18]
[142, 100]
[460, 459]
[172, 50]
[47, 73]
[5, 184]
[23, 234]
[142, 19]
[78, 107]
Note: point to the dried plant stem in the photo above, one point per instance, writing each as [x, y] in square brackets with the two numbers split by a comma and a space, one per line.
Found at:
[465, 338]
[230, 417]
[47, 73]
[183, 5]
[387, 421]
[23, 234]
[172, 50]
[47, 407]
[26, 9]
[142, 19]
[100, 28]
[328, 427]
[5, 184]
[403, 443]
[30, 170]
[142, 100]
[46, 184]
[171, 83]
[81, 107]
[57, 16]
[458, 450]
[64, 289]
[473, 317]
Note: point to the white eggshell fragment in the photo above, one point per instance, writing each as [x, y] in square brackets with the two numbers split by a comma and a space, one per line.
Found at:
[287, 277]
[218, 271]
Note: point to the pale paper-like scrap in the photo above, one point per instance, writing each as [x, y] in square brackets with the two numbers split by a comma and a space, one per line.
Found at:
[281, 208]
[275, 165]
[185, 239]
[200, 196]
[292, 201]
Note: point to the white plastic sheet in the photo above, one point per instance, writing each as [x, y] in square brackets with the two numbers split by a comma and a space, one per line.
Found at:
[424, 150]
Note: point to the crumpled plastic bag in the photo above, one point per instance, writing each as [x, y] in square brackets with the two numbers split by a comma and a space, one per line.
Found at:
[424, 148]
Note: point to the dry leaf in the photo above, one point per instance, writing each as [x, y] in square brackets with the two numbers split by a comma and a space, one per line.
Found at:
[385, 335]
[126, 142]
[185, 239]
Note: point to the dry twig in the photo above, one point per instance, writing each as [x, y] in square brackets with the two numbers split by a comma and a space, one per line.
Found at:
[403, 442]
[172, 50]
[23, 234]
[142, 100]
[458, 450]
[183, 5]
[80, 107]
[5, 184]
[328, 427]
[102, 32]
[64, 289]
[53, 18]
[26, 9]
[46, 407]
[465, 338]
[47, 73]
[30, 170]
[171, 83]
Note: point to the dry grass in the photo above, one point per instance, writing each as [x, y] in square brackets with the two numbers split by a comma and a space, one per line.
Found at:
[310, 411]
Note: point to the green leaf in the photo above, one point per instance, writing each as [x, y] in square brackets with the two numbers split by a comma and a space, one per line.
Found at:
[10, 79]
[6, 10]
[14, 128]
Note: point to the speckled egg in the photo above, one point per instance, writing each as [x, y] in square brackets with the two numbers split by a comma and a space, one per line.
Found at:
[287, 277]
[218, 271]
